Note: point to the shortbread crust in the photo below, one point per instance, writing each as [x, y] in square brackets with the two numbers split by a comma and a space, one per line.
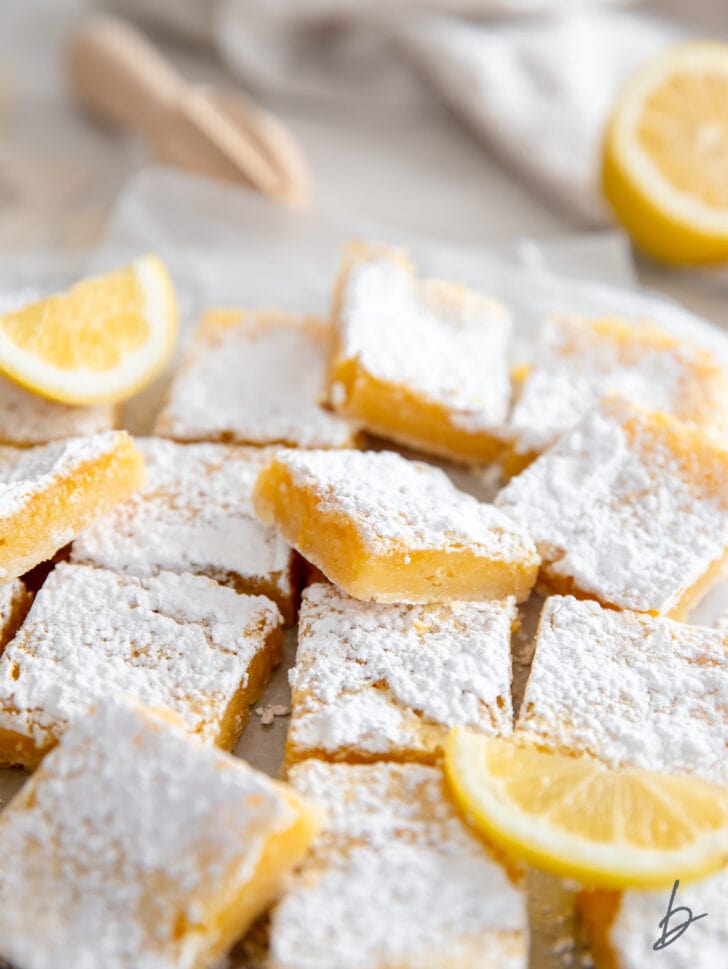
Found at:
[391, 530]
[395, 879]
[577, 361]
[374, 681]
[181, 642]
[630, 508]
[195, 514]
[419, 361]
[27, 419]
[135, 847]
[254, 377]
[49, 493]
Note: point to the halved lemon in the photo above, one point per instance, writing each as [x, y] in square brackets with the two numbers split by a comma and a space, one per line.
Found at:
[99, 342]
[665, 164]
[576, 818]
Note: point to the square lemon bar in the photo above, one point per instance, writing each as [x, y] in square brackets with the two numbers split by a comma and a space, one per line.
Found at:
[630, 508]
[392, 530]
[395, 879]
[254, 377]
[27, 419]
[49, 493]
[195, 514]
[419, 361]
[577, 361]
[15, 601]
[635, 691]
[177, 641]
[136, 847]
[379, 681]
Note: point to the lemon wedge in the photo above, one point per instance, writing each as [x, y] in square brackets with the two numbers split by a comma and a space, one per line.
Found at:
[665, 163]
[576, 818]
[99, 342]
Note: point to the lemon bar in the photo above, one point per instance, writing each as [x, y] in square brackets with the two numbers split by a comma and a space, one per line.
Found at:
[195, 514]
[254, 377]
[15, 601]
[630, 508]
[419, 361]
[395, 879]
[577, 361]
[49, 493]
[635, 691]
[27, 419]
[375, 681]
[181, 642]
[136, 847]
[392, 530]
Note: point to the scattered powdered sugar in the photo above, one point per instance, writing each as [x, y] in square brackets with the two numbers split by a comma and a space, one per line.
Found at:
[25, 472]
[438, 339]
[27, 419]
[116, 853]
[615, 509]
[383, 679]
[255, 378]
[630, 689]
[176, 641]
[395, 879]
[578, 361]
[194, 514]
[395, 502]
[12, 594]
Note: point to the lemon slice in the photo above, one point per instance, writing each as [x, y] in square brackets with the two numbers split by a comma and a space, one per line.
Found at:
[576, 818]
[99, 342]
[665, 165]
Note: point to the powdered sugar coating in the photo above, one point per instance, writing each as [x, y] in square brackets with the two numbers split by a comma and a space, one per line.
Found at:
[176, 641]
[27, 419]
[25, 472]
[375, 680]
[630, 689]
[126, 844]
[577, 361]
[439, 340]
[254, 378]
[193, 514]
[395, 879]
[14, 600]
[398, 503]
[616, 508]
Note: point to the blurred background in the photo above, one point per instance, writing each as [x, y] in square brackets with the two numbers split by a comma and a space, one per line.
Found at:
[465, 120]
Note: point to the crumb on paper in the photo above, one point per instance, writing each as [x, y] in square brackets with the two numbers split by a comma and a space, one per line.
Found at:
[268, 713]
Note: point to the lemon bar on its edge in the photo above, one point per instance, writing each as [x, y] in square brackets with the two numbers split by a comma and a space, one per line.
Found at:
[644, 692]
[577, 360]
[630, 508]
[254, 377]
[419, 361]
[391, 530]
[49, 493]
[182, 642]
[395, 878]
[195, 514]
[136, 847]
[377, 681]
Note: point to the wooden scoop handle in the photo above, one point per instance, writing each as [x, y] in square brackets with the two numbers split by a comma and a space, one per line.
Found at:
[118, 75]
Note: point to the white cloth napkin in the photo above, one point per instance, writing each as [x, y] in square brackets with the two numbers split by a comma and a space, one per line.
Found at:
[533, 78]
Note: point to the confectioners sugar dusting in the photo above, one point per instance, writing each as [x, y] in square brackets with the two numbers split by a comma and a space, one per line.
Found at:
[27, 419]
[193, 514]
[365, 668]
[614, 511]
[630, 689]
[175, 641]
[396, 878]
[129, 830]
[437, 339]
[395, 502]
[260, 381]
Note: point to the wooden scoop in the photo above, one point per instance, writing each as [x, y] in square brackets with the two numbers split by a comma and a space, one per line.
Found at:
[121, 78]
